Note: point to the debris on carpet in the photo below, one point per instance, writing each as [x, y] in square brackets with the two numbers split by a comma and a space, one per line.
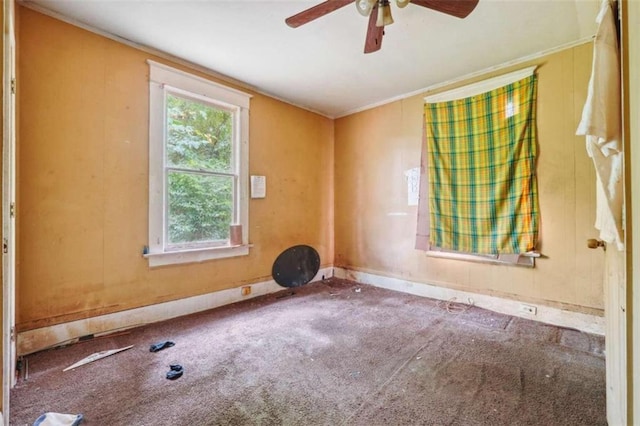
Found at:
[96, 356]
[175, 371]
[161, 345]
[58, 419]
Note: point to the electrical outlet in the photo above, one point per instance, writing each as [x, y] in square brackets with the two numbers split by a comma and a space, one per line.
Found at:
[246, 290]
[528, 309]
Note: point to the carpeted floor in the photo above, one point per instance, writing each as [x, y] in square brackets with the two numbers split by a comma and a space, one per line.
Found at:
[334, 353]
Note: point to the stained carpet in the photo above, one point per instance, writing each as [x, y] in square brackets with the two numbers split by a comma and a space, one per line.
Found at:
[334, 353]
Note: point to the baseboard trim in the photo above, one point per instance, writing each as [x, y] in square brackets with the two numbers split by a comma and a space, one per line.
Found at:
[35, 340]
[546, 314]
[46, 337]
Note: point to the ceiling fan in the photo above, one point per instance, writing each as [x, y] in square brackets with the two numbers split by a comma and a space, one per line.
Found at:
[379, 13]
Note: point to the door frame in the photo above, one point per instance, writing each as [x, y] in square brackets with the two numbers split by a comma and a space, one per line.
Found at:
[8, 206]
[631, 107]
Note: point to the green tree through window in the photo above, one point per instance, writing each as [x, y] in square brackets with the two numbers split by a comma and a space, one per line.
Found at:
[200, 171]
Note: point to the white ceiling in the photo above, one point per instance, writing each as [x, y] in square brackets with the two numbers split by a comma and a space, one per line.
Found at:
[320, 65]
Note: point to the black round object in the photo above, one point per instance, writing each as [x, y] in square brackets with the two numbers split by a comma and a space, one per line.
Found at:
[296, 266]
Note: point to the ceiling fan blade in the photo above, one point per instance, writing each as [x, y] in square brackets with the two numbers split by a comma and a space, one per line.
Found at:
[457, 8]
[315, 12]
[373, 42]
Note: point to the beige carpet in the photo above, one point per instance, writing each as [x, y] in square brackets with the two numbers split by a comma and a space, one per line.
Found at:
[328, 355]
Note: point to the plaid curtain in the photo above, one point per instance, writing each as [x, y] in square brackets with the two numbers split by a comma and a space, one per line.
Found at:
[481, 160]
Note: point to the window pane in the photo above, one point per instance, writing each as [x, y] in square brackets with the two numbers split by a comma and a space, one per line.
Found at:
[199, 136]
[200, 207]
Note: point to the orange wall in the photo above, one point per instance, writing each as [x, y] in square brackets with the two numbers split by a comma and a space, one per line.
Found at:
[83, 182]
[375, 229]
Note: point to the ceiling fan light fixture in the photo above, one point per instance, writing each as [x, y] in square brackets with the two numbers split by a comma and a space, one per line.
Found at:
[379, 14]
[384, 14]
[365, 6]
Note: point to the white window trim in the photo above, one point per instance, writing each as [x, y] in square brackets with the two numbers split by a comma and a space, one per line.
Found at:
[161, 75]
[479, 87]
[524, 259]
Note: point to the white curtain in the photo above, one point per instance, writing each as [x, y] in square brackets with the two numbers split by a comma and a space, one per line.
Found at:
[601, 124]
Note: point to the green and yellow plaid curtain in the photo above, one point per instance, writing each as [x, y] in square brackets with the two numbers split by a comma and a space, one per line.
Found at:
[481, 160]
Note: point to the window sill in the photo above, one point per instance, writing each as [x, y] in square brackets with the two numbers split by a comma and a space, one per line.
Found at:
[527, 260]
[195, 255]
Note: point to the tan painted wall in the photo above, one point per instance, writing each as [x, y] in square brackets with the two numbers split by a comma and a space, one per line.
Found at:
[83, 188]
[374, 148]
[83, 182]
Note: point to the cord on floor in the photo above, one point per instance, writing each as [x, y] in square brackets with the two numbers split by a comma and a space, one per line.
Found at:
[453, 307]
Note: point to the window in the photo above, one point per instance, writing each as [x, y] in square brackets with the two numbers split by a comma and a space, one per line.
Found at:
[198, 167]
[478, 197]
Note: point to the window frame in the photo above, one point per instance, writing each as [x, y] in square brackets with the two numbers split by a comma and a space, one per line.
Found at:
[163, 80]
